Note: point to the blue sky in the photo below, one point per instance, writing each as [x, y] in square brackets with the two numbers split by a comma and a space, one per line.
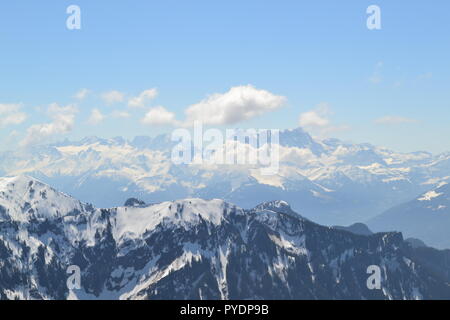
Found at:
[389, 87]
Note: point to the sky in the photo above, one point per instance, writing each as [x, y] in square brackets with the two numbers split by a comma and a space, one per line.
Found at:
[147, 67]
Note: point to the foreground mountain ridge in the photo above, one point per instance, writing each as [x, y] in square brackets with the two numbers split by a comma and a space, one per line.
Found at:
[196, 249]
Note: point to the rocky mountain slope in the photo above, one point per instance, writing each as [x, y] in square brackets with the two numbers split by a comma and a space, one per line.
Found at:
[196, 249]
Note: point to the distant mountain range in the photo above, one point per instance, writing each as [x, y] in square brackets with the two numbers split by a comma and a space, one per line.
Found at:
[427, 217]
[197, 249]
[356, 228]
[328, 181]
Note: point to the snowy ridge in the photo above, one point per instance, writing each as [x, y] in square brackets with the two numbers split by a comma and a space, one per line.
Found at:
[193, 249]
[134, 222]
[23, 198]
[429, 195]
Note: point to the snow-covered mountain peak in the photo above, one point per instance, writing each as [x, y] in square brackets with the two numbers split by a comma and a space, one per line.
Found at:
[300, 139]
[429, 196]
[331, 181]
[21, 185]
[23, 198]
[279, 206]
[275, 204]
[135, 221]
[440, 193]
[195, 249]
[90, 140]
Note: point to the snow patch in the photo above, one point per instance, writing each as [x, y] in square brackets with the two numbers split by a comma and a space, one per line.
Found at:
[430, 195]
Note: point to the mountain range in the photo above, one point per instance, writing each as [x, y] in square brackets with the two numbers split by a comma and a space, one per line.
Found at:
[427, 217]
[328, 181]
[197, 249]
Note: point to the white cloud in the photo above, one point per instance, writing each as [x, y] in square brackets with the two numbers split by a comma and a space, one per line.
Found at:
[11, 114]
[317, 121]
[315, 118]
[296, 155]
[63, 119]
[112, 97]
[96, 117]
[141, 100]
[160, 116]
[393, 120]
[82, 94]
[238, 104]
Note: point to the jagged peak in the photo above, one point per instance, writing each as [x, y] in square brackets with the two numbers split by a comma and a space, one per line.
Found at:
[134, 221]
[280, 206]
[274, 204]
[23, 197]
[19, 180]
[133, 202]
